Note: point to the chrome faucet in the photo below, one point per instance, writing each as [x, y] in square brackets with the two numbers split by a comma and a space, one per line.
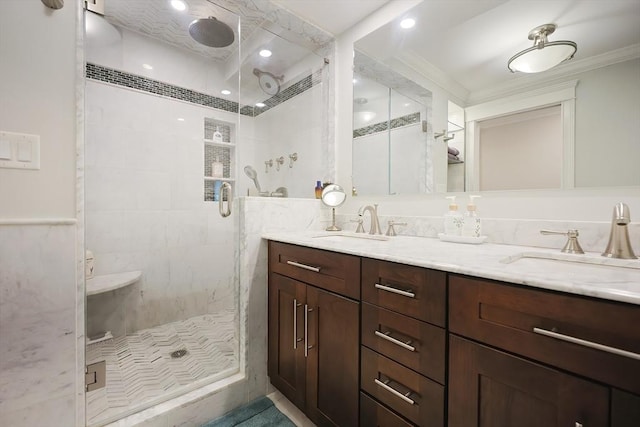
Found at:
[375, 224]
[619, 245]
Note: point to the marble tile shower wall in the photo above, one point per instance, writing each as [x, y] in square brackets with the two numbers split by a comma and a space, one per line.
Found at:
[37, 325]
[160, 225]
[293, 126]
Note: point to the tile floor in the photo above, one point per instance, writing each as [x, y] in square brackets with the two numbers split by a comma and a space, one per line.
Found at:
[141, 369]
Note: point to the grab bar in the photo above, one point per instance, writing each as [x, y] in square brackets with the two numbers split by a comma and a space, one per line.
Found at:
[225, 213]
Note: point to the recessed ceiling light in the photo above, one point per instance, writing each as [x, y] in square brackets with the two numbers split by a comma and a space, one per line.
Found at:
[147, 66]
[407, 23]
[180, 119]
[179, 5]
[225, 92]
[265, 53]
[355, 81]
[260, 104]
[406, 104]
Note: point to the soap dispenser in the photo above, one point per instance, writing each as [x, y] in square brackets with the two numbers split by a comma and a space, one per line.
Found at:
[453, 219]
[471, 226]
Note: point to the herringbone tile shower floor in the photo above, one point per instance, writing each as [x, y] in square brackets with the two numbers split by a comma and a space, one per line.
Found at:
[140, 368]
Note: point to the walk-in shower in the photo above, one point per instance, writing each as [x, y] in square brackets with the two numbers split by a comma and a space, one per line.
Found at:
[167, 126]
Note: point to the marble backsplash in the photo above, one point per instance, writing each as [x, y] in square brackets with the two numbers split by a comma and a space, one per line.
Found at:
[593, 235]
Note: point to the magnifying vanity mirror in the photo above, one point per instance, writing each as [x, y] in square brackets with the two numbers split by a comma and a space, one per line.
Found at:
[333, 196]
[436, 108]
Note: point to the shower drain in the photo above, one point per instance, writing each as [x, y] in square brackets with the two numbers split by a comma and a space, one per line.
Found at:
[178, 353]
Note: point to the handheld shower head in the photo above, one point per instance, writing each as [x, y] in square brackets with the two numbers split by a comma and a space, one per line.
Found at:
[253, 175]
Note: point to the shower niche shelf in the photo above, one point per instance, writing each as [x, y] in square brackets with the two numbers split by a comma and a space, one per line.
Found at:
[218, 144]
[109, 282]
[218, 151]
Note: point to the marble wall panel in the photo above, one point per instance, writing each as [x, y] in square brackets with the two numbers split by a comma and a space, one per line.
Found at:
[37, 324]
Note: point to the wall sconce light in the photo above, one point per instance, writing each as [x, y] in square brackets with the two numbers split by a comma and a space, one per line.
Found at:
[544, 54]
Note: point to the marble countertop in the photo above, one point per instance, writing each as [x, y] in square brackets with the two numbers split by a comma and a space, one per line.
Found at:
[530, 266]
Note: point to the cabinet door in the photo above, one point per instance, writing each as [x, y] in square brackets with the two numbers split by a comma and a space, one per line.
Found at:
[286, 363]
[490, 388]
[332, 362]
[625, 409]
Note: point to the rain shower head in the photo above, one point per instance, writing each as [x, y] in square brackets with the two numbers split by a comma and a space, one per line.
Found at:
[211, 32]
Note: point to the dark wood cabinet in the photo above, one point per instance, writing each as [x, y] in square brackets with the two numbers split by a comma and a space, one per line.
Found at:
[490, 388]
[286, 361]
[430, 348]
[403, 354]
[314, 334]
[571, 361]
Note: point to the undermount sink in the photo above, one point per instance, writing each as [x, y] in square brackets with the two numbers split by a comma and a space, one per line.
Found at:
[560, 258]
[345, 236]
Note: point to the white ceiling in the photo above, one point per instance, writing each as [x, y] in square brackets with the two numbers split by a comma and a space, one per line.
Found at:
[470, 41]
[333, 16]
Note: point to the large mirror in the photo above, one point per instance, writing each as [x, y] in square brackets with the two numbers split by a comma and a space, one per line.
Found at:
[482, 122]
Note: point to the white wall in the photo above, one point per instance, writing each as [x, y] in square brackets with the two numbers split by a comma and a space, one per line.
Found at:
[39, 375]
[607, 142]
[295, 126]
[38, 96]
[145, 210]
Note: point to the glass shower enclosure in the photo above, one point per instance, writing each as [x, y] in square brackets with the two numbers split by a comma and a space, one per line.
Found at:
[161, 132]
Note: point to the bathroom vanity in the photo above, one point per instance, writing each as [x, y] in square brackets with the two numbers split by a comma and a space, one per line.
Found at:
[416, 332]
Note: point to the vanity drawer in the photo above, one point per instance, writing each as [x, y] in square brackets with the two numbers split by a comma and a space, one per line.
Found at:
[415, 344]
[415, 291]
[414, 396]
[543, 325]
[373, 414]
[336, 272]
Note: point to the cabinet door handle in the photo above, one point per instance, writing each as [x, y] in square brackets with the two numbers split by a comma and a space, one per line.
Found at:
[395, 291]
[306, 330]
[295, 324]
[394, 392]
[306, 267]
[586, 343]
[388, 337]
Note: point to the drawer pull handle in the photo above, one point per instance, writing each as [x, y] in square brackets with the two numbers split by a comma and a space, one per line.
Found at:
[586, 343]
[394, 392]
[388, 337]
[395, 291]
[306, 267]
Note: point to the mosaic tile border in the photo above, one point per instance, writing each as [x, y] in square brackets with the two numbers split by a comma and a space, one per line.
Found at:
[133, 81]
[409, 119]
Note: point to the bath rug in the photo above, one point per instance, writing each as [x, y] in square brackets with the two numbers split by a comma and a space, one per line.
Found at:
[259, 413]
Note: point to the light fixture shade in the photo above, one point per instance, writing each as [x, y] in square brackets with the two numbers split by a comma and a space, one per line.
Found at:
[543, 55]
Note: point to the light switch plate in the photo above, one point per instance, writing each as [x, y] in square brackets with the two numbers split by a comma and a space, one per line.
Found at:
[5, 149]
[19, 150]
